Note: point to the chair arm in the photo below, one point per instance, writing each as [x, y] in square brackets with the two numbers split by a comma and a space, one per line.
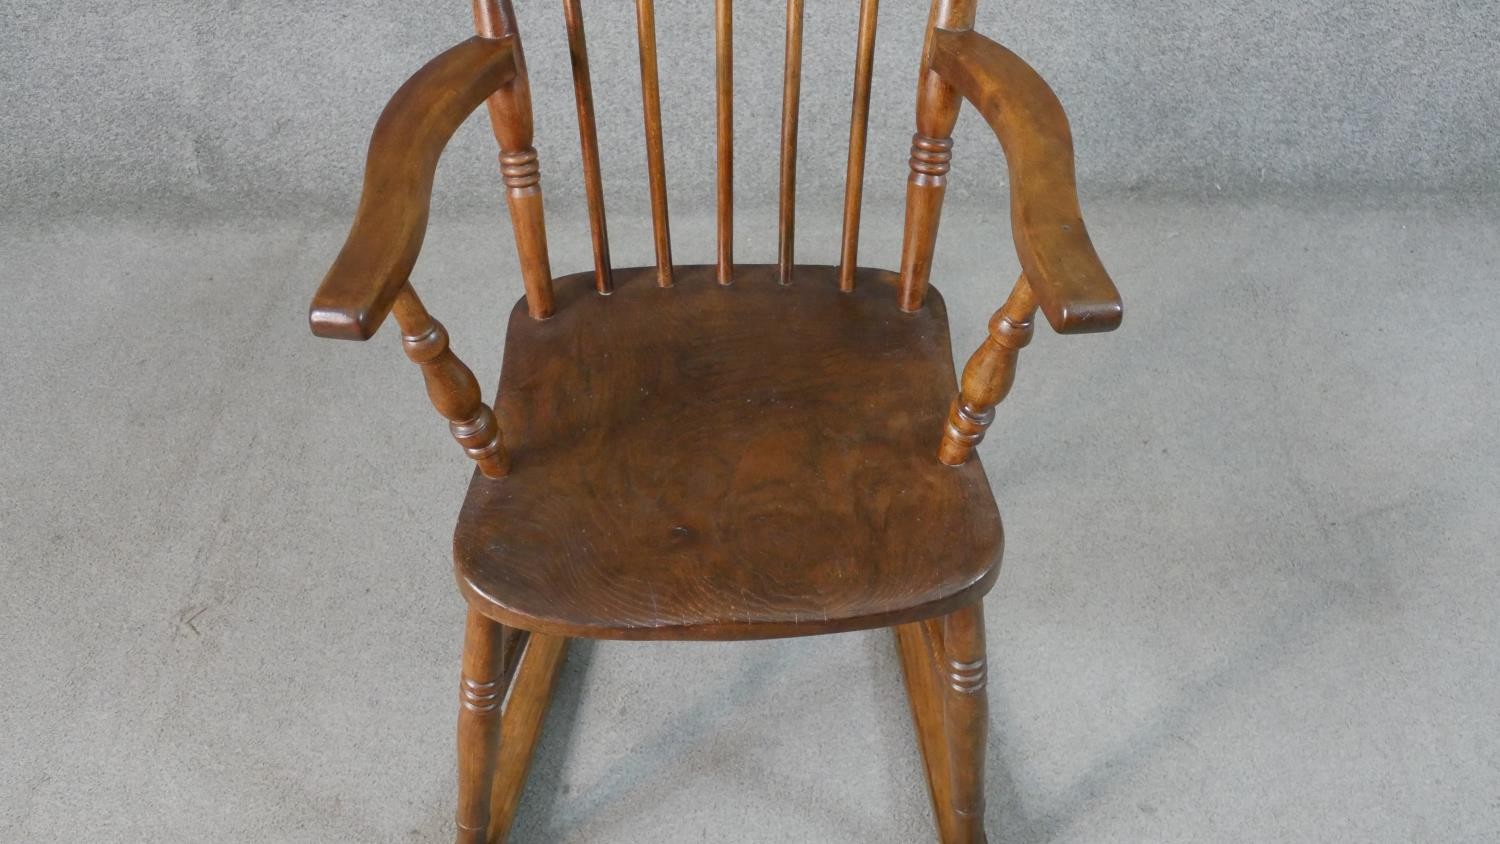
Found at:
[1070, 284]
[361, 287]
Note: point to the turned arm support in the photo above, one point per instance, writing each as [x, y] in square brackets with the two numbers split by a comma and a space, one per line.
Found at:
[371, 270]
[988, 376]
[1061, 275]
[369, 279]
[1058, 260]
[450, 385]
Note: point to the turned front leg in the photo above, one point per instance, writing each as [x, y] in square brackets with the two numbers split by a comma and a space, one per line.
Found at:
[966, 719]
[481, 692]
[988, 376]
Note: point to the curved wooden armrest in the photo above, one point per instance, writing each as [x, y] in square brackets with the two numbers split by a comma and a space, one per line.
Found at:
[1070, 284]
[383, 243]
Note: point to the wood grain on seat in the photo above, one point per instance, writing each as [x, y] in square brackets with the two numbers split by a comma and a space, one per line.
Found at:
[718, 462]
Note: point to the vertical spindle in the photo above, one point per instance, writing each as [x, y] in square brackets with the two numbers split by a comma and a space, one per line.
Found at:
[724, 63]
[859, 124]
[588, 141]
[645, 20]
[791, 90]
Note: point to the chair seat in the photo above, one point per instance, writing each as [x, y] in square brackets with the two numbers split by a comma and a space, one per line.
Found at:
[711, 462]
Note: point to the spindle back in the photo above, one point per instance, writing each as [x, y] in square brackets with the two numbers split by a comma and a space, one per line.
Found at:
[495, 17]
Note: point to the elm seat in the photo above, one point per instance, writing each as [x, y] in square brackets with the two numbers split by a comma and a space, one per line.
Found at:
[757, 458]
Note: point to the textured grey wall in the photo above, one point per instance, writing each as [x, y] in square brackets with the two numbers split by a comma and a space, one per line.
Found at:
[221, 105]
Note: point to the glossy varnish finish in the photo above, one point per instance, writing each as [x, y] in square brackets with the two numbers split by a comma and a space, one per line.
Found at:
[686, 458]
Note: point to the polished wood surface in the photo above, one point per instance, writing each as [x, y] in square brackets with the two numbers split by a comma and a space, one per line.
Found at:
[1069, 281]
[588, 142]
[686, 459]
[713, 463]
[859, 128]
[645, 15]
[357, 293]
[791, 95]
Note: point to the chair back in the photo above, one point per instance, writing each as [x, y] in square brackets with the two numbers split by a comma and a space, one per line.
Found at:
[937, 107]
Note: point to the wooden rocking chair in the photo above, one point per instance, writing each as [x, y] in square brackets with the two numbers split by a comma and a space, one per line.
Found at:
[728, 451]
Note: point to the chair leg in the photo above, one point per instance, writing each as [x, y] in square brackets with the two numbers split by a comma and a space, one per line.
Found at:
[943, 661]
[914, 642]
[966, 714]
[481, 691]
[521, 721]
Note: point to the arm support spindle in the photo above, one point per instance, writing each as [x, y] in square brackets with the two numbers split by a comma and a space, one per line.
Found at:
[450, 385]
[988, 376]
[1061, 274]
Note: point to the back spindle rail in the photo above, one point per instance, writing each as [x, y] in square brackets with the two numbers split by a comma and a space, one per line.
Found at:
[588, 141]
[859, 124]
[645, 21]
[724, 98]
[511, 120]
[791, 91]
[450, 384]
